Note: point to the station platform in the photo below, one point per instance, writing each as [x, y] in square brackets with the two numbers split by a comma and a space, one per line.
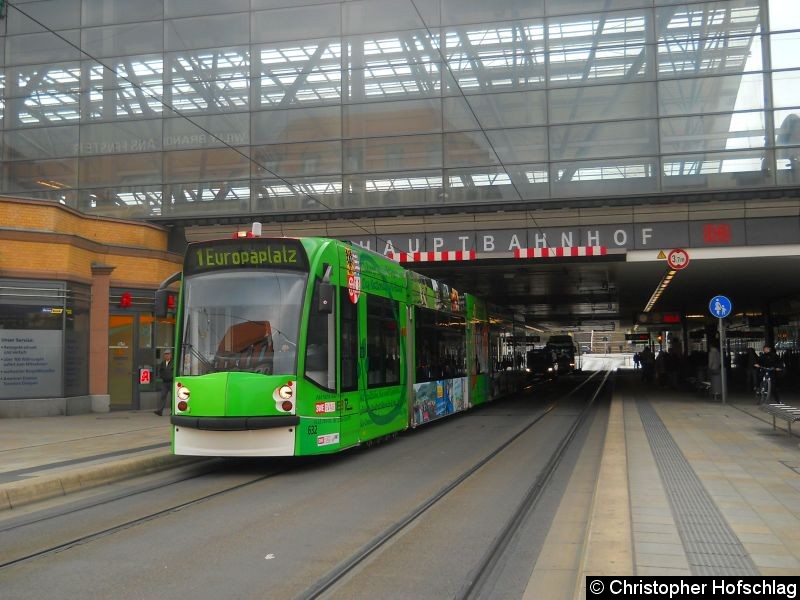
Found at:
[686, 485]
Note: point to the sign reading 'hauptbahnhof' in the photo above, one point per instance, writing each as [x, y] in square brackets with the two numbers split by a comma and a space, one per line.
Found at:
[630, 236]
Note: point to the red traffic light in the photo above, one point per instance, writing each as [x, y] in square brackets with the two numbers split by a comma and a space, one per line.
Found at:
[125, 300]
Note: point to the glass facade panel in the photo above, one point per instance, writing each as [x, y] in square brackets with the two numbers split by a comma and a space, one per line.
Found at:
[37, 48]
[708, 38]
[467, 148]
[111, 12]
[196, 8]
[122, 201]
[497, 111]
[296, 125]
[455, 12]
[392, 118]
[394, 65]
[303, 23]
[784, 50]
[52, 14]
[302, 194]
[787, 127]
[261, 4]
[293, 160]
[396, 153]
[120, 170]
[44, 95]
[784, 14]
[120, 138]
[46, 142]
[495, 184]
[298, 73]
[117, 40]
[601, 48]
[206, 131]
[711, 94]
[207, 198]
[602, 102]
[604, 177]
[715, 171]
[373, 16]
[127, 88]
[209, 81]
[622, 138]
[527, 144]
[704, 133]
[785, 86]
[495, 57]
[566, 7]
[206, 165]
[207, 32]
[396, 189]
[47, 176]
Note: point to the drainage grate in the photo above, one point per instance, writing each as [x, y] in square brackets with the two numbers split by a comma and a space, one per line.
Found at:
[711, 546]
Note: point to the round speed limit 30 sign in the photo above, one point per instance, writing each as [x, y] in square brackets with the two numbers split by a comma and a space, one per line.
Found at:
[678, 259]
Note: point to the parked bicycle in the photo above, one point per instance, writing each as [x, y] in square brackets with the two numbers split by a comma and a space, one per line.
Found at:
[766, 392]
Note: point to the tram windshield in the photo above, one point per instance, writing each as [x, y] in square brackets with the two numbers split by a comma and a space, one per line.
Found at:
[241, 321]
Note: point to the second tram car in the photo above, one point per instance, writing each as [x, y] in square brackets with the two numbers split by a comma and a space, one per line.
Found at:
[289, 347]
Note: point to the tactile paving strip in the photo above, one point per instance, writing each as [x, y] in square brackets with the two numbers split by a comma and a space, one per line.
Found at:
[711, 546]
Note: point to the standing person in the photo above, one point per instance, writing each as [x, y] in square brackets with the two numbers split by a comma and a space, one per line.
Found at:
[648, 364]
[751, 372]
[715, 370]
[165, 372]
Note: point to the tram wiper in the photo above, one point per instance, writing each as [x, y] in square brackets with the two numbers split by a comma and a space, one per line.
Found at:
[207, 364]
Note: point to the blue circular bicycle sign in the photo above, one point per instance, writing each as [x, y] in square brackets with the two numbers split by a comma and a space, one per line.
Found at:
[720, 307]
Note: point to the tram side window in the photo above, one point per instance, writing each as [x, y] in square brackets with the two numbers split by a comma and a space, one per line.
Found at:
[317, 342]
[383, 342]
[349, 341]
[441, 344]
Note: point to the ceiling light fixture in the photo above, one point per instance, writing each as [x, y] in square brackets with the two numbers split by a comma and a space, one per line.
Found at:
[662, 285]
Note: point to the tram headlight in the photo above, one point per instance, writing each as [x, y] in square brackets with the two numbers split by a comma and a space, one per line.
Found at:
[182, 392]
[182, 395]
[284, 397]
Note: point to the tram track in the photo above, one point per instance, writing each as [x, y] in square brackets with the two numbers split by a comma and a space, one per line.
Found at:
[54, 536]
[484, 570]
[150, 516]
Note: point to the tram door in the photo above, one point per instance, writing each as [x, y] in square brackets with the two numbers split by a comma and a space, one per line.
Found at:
[120, 360]
[352, 385]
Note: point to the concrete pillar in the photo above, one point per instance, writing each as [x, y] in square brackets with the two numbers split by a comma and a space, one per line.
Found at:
[98, 338]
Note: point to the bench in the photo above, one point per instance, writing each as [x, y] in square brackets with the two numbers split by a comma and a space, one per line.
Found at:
[788, 413]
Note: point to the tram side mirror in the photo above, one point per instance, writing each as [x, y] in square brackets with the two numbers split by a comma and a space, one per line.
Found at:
[325, 298]
[161, 304]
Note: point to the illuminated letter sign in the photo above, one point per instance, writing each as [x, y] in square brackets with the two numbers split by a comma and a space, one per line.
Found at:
[245, 253]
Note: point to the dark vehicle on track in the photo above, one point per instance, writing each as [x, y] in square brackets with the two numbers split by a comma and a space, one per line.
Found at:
[565, 350]
[542, 364]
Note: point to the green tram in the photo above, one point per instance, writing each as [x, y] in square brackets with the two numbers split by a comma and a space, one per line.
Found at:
[290, 347]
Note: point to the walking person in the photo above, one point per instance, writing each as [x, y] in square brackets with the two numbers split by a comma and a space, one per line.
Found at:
[165, 372]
